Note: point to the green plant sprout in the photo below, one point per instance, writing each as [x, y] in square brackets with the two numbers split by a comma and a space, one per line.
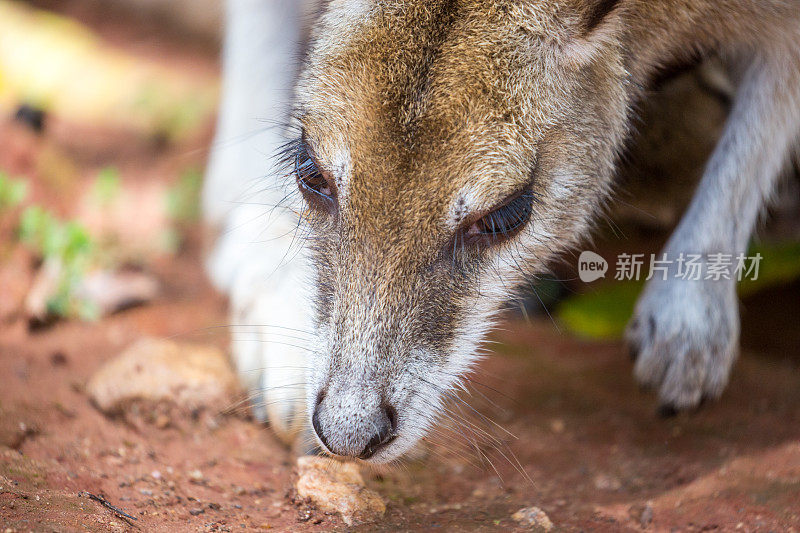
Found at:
[69, 247]
[12, 192]
[183, 198]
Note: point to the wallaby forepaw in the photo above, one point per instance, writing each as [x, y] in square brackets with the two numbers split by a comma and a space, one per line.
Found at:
[271, 362]
[684, 338]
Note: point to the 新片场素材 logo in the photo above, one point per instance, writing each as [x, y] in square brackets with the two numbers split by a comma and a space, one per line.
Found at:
[689, 267]
[591, 267]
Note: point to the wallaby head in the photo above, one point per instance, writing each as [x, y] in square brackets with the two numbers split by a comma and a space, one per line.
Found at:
[449, 149]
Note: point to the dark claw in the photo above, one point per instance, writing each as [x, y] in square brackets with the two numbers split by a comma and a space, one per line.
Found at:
[633, 352]
[667, 411]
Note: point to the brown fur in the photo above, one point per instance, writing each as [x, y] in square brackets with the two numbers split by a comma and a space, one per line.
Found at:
[426, 96]
[429, 114]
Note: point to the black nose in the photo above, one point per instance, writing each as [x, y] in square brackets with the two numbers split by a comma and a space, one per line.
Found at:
[385, 427]
[382, 425]
[318, 427]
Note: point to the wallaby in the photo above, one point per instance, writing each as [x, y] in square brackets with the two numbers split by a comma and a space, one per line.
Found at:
[444, 151]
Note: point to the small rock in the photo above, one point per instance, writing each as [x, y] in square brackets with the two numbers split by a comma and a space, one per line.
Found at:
[557, 426]
[106, 291]
[14, 433]
[195, 512]
[190, 376]
[647, 515]
[338, 487]
[110, 291]
[533, 518]
[162, 421]
[44, 285]
[58, 358]
[607, 482]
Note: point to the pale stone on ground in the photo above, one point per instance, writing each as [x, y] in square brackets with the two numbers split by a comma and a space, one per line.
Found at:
[533, 518]
[339, 487]
[109, 292]
[155, 370]
[103, 291]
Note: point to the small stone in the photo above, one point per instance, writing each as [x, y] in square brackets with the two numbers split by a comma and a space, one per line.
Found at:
[104, 291]
[109, 292]
[58, 358]
[162, 421]
[607, 482]
[647, 515]
[195, 512]
[533, 518]
[338, 487]
[479, 493]
[152, 370]
[14, 434]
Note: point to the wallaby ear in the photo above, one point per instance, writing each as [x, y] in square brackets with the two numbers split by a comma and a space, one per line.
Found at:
[601, 22]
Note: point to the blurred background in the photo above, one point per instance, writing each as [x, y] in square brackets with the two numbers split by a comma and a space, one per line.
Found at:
[107, 111]
[107, 114]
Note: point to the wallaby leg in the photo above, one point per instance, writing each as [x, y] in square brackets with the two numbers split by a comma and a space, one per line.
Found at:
[685, 334]
[258, 256]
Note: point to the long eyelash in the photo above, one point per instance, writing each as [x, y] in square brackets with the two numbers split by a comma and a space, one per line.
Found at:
[294, 157]
[305, 168]
[287, 153]
[510, 217]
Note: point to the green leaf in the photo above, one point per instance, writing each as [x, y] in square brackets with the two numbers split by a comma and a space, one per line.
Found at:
[69, 245]
[12, 192]
[780, 263]
[183, 198]
[601, 313]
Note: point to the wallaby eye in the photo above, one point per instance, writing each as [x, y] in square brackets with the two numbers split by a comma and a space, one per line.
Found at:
[505, 221]
[312, 181]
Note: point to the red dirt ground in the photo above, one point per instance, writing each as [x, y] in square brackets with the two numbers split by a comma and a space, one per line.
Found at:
[587, 446]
